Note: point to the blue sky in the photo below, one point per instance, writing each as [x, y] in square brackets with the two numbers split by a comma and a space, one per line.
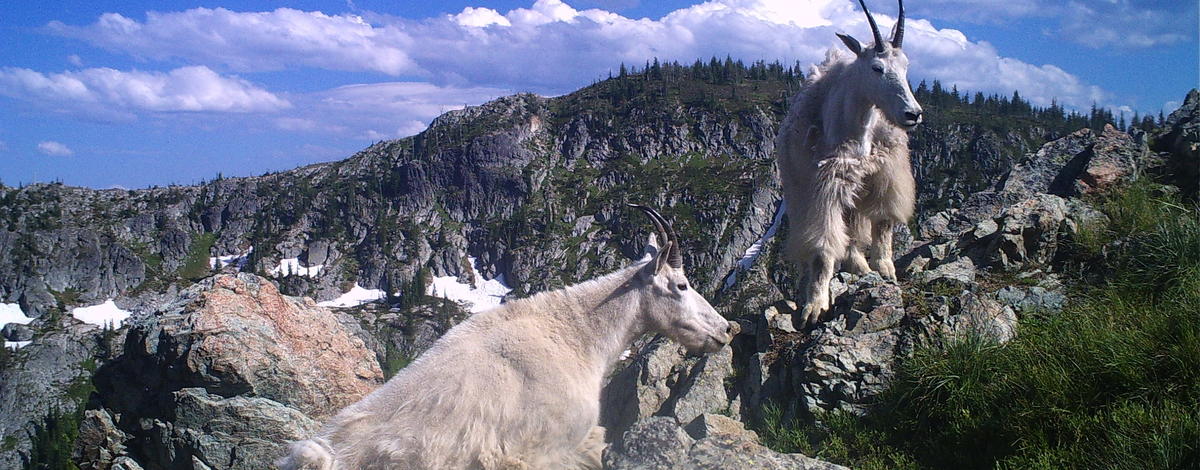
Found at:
[141, 93]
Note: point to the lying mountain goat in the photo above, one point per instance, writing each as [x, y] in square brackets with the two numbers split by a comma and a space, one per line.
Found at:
[842, 154]
[518, 386]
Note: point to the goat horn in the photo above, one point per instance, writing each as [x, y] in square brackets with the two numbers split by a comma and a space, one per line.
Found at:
[675, 257]
[874, 27]
[898, 38]
[666, 232]
[658, 223]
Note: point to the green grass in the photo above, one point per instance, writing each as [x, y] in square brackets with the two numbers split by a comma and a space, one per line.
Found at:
[1113, 381]
[197, 265]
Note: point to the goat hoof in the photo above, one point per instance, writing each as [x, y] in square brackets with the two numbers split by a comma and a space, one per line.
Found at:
[812, 311]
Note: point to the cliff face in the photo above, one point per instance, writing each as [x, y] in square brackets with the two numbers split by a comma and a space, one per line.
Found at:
[529, 188]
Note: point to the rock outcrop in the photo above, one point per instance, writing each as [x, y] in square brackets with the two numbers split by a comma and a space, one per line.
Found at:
[659, 379]
[957, 285]
[660, 443]
[1179, 140]
[48, 380]
[224, 377]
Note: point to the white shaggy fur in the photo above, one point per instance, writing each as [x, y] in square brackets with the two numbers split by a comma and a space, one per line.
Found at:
[843, 159]
[518, 386]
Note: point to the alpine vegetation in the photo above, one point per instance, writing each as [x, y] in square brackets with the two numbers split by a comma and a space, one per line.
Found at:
[842, 153]
[518, 386]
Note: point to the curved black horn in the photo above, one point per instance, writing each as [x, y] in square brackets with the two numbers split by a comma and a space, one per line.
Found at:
[874, 27]
[898, 38]
[666, 233]
[675, 257]
[658, 223]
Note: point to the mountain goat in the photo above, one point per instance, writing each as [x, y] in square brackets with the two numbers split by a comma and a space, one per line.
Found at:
[518, 386]
[842, 154]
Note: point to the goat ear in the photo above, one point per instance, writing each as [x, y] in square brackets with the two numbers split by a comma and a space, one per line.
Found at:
[851, 43]
[651, 249]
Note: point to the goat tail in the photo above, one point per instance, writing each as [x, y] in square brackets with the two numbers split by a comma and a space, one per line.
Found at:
[313, 454]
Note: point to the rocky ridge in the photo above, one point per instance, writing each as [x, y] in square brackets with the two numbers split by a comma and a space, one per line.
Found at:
[197, 383]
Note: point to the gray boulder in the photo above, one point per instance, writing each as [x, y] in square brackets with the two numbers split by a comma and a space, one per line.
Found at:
[659, 443]
[1180, 141]
[225, 374]
[660, 379]
[17, 332]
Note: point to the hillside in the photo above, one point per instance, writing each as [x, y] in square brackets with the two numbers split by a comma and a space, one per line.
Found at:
[517, 184]
[513, 197]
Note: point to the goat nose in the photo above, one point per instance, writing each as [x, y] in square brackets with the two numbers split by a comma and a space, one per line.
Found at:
[913, 117]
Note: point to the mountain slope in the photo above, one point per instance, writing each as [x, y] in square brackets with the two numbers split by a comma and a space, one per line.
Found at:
[529, 188]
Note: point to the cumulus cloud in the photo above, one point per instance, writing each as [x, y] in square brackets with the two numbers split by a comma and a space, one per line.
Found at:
[379, 111]
[54, 149]
[552, 47]
[1127, 24]
[273, 40]
[192, 88]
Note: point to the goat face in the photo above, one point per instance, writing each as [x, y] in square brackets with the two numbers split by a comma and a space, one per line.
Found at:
[881, 73]
[884, 77]
[675, 309]
[669, 303]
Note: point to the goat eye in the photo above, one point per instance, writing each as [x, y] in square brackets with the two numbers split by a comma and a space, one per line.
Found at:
[681, 286]
[877, 68]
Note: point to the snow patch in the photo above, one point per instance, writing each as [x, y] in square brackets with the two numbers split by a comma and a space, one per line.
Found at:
[104, 314]
[747, 260]
[484, 295]
[16, 344]
[238, 261]
[11, 313]
[357, 296]
[291, 266]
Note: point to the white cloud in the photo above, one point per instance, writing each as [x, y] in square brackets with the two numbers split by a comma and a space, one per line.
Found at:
[105, 90]
[271, 40]
[380, 111]
[553, 48]
[480, 17]
[54, 149]
[1126, 24]
[75, 60]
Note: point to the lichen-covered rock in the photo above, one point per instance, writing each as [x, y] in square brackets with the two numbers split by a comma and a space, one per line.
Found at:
[850, 358]
[228, 372]
[959, 273]
[243, 433]
[100, 442]
[1080, 163]
[661, 379]
[709, 424]
[968, 316]
[1039, 298]
[1031, 232]
[659, 443]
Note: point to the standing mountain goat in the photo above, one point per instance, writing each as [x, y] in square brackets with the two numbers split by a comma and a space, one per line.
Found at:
[518, 386]
[843, 159]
